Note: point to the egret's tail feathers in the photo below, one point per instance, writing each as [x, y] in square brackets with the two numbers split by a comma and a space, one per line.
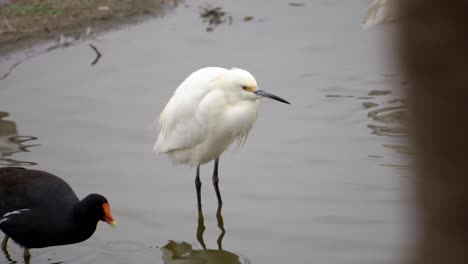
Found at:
[241, 141]
[156, 150]
[159, 148]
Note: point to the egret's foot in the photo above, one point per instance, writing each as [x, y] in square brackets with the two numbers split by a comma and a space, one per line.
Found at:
[201, 229]
[220, 220]
[4, 242]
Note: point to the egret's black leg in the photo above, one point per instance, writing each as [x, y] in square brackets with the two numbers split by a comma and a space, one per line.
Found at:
[201, 229]
[219, 218]
[198, 187]
[216, 181]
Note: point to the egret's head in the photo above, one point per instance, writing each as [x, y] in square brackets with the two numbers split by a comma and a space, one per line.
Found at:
[244, 86]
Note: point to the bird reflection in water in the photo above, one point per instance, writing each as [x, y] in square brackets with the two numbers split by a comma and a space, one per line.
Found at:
[183, 252]
[11, 143]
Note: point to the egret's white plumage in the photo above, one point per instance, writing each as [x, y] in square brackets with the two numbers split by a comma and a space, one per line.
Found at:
[379, 12]
[211, 108]
[205, 115]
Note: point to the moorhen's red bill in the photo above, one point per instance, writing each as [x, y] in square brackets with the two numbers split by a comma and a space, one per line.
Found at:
[38, 209]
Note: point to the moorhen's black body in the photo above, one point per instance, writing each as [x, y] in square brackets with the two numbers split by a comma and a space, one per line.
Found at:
[38, 209]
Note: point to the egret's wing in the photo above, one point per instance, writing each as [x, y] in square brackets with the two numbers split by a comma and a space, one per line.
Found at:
[179, 127]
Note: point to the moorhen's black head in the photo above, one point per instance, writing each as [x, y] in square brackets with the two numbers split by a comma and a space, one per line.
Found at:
[96, 207]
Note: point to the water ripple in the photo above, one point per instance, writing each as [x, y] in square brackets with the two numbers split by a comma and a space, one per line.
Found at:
[12, 143]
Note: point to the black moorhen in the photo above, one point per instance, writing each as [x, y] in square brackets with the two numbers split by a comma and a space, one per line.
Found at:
[38, 209]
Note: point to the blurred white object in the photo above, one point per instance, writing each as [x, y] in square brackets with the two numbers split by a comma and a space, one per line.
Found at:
[65, 41]
[89, 31]
[103, 8]
[379, 12]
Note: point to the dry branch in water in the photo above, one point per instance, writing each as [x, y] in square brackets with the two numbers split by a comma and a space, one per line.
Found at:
[214, 16]
[98, 54]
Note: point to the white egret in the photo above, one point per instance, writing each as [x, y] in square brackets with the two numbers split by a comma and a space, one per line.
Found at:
[379, 12]
[209, 110]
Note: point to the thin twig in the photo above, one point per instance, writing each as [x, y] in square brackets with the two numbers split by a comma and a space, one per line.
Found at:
[5, 74]
[9, 27]
[98, 54]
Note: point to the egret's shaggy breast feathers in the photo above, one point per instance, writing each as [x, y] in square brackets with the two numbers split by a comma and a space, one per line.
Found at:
[208, 111]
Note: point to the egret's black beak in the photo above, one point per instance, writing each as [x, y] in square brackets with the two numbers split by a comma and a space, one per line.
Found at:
[262, 93]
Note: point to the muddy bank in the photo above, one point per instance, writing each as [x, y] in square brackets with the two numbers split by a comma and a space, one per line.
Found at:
[25, 22]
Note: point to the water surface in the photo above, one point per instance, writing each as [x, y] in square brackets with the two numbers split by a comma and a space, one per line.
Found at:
[320, 181]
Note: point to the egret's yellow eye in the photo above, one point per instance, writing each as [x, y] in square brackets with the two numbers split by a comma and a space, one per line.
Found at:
[249, 88]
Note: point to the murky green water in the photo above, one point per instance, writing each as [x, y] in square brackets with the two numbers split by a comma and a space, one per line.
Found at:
[321, 181]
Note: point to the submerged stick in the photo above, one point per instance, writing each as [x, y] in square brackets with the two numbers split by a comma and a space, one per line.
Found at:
[98, 54]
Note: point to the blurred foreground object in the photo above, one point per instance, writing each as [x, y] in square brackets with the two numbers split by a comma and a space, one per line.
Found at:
[433, 40]
[379, 12]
